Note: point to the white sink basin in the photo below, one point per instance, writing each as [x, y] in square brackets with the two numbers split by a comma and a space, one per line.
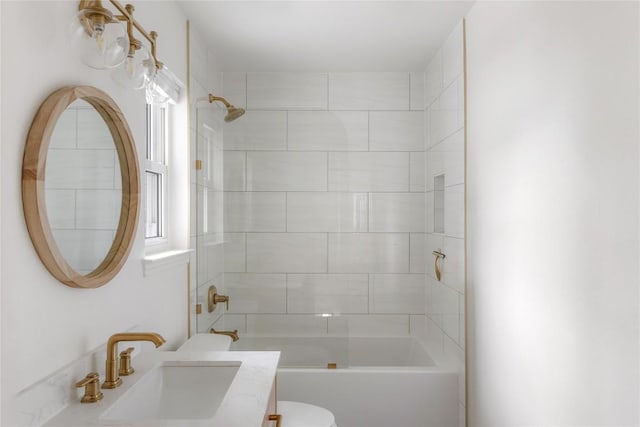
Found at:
[175, 390]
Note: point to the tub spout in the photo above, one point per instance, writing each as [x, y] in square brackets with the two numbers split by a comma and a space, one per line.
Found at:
[233, 334]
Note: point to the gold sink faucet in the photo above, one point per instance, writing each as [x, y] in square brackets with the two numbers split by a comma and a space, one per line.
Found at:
[112, 380]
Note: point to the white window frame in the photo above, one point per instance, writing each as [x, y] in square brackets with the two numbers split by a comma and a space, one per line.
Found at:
[160, 167]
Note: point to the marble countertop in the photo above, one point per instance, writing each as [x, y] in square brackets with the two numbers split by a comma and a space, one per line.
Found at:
[244, 405]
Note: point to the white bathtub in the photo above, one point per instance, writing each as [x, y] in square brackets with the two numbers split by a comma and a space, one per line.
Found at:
[380, 381]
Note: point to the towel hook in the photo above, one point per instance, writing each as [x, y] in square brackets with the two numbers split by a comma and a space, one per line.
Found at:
[439, 255]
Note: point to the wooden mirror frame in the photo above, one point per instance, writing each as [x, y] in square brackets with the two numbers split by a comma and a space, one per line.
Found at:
[33, 186]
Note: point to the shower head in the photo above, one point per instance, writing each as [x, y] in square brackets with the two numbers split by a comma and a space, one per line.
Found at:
[232, 111]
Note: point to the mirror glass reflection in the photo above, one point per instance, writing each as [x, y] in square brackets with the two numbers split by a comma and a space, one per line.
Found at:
[83, 187]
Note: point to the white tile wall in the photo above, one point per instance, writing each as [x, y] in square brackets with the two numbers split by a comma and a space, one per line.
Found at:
[417, 171]
[446, 113]
[256, 293]
[93, 132]
[287, 91]
[397, 293]
[453, 264]
[444, 303]
[350, 168]
[234, 168]
[286, 171]
[396, 212]
[454, 211]
[235, 252]
[327, 212]
[429, 212]
[258, 130]
[444, 158]
[327, 293]
[235, 321]
[61, 208]
[370, 325]
[369, 252]
[368, 172]
[289, 324]
[287, 252]
[84, 250]
[369, 91]
[417, 253]
[98, 209]
[417, 326]
[64, 134]
[328, 130]
[251, 211]
[83, 186]
[396, 131]
[85, 169]
[417, 90]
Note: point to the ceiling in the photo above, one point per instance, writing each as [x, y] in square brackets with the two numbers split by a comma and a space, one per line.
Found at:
[324, 35]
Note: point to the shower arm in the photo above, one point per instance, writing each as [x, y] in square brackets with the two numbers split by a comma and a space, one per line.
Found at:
[213, 98]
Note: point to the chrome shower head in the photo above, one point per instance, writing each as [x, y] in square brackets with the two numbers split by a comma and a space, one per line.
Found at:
[232, 111]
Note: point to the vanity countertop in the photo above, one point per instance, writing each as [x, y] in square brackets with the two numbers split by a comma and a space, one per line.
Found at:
[244, 405]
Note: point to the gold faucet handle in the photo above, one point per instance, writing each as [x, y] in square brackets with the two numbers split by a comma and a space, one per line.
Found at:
[91, 384]
[125, 362]
[213, 298]
[224, 299]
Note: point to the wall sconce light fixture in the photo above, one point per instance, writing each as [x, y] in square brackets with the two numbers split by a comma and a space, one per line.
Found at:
[103, 42]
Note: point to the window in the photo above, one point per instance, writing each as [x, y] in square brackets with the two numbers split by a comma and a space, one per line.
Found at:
[156, 173]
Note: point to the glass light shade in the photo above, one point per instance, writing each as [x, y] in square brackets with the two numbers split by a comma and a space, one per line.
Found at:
[98, 46]
[136, 69]
[155, 94]
[164, 87]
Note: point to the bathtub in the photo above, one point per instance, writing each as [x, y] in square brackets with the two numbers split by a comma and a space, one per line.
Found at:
[379, 381]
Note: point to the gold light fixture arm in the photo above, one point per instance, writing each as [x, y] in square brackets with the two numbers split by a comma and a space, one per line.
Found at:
[126, 15]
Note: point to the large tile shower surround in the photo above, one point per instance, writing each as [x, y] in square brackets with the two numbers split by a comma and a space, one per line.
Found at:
[324, 204]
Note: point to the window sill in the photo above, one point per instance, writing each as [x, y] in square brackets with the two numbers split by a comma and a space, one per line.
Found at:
[163, 260]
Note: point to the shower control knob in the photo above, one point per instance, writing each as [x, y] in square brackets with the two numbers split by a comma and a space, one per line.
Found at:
[213, 298]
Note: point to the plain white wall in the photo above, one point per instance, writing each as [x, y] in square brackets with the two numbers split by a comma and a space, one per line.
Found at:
[46, 325]
[553, 213]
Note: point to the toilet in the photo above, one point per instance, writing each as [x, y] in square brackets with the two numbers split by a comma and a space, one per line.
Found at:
[298, 414]
[294, 414]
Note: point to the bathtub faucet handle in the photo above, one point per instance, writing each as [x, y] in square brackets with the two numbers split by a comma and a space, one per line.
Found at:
[224, 299]
[213, 298]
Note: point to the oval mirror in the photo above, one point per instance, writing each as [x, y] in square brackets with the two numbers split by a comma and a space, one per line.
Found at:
[80, 187]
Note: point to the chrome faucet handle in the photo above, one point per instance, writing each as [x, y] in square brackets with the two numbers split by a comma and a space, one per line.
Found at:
[125, 362]
[91, 384]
